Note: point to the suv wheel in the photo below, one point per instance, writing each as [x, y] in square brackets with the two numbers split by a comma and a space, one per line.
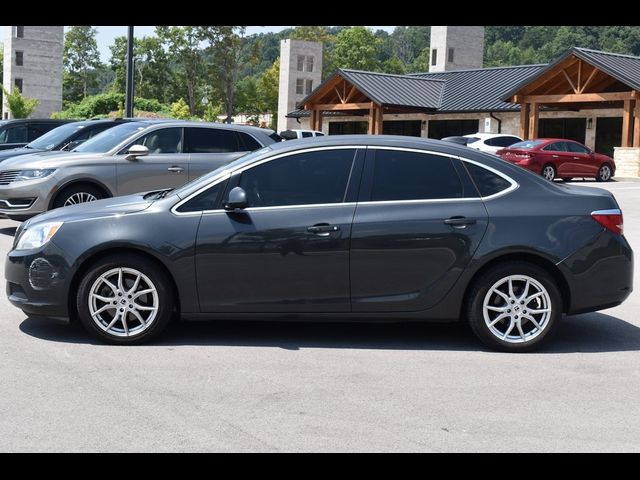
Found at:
[75, 194]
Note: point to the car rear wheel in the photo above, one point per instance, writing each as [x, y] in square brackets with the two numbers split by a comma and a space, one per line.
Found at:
[604, 173]
[75, 194]
[124, 299]
[549, 172]
[514, 307]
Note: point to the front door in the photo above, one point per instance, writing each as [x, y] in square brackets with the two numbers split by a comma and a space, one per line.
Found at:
[165, 166]
[288, 252]
[415, 231]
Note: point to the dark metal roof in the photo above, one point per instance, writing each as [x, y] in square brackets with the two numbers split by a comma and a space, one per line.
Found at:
[625, 68]
[481, 90]
[397, 90]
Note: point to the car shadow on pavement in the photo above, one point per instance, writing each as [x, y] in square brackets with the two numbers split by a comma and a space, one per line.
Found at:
[9, 231]
[593, 332]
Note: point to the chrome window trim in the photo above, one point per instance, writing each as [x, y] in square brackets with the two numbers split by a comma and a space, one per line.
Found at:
[612, 211]
[227, 174]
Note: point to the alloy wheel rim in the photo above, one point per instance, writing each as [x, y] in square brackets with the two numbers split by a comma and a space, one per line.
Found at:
[123, 302]
[80, 197]
[605, 173]
[517, 309]
[548, 173]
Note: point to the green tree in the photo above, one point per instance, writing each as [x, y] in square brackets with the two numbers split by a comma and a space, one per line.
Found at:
[394, 65]
[186, 60]
[248, 97]
[312, 33]
[268, 85]
[357, 47]
[180, 110]
[19, 105]
[1, 70]
[81, 59]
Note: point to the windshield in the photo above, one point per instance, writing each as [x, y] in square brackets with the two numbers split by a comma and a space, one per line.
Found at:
[229, 166]
[55, 137]
[105, 141]
[527, 144]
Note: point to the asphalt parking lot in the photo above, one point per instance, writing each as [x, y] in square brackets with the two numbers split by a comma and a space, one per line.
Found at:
[324, 387]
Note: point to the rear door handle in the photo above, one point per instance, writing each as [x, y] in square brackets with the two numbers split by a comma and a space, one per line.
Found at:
[555, 156]
[576, 158]
[460, 222]
[175, 169]
[323, 229]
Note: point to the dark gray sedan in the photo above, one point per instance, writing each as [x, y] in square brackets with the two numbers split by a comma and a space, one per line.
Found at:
[359, 227]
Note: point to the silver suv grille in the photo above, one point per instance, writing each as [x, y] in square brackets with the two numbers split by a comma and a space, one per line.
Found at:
[8, 176]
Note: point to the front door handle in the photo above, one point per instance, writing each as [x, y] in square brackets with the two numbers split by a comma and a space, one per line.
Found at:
[175, 169]
[555, 156]
[323, 229]
[576, 158]
[460, 222]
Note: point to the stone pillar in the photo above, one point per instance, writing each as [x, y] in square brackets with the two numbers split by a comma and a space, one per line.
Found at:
[627, 161]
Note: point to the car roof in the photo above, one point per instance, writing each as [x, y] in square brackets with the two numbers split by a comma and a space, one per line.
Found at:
[33, 120]
[490, 135]
[195, 123]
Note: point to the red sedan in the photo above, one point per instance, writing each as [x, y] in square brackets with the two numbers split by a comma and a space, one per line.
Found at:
[559, 158]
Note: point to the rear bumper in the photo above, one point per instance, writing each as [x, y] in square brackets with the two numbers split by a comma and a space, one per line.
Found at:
[600, 274]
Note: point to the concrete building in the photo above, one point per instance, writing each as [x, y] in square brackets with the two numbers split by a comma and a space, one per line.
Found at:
[456, 48]
[300, 74]
[33, 63]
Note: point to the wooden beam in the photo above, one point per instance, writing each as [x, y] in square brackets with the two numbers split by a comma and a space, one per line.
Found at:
[579, 97]
[318, 126]
[636, 125]
[372, 120]
[524, 121]
[339, 96]
[626, 124]
[379, 120]
[348, 97]
[579, 76]
[338, 106]
[589, 78]
[533, 120]
[566, 75]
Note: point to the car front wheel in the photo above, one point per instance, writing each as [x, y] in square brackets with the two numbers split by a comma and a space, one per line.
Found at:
[124, 299]
[604, 173]
[77, 194]
[514, 307]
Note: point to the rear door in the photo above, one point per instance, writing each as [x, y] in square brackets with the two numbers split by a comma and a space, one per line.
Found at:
[584, 161]
[211, 147]
[557, 153]
[418, 221]
[165, 166]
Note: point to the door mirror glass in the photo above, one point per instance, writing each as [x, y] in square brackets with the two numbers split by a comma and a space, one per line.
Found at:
[237, 199]
[137, 151]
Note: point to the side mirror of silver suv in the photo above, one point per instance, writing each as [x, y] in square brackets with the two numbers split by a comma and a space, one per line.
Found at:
[137, 151]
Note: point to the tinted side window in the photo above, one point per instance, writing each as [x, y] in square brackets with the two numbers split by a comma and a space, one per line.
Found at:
[165, 140]
[87, 133]
[34, 131]
[307, 134]
[299, 179]
[319, 134]
[17, 134]
[211, 140]
[487, 182]
[556, 147]
[247, 142]
[502, 141]
[576, 148]
[400, 175]
[207, 200]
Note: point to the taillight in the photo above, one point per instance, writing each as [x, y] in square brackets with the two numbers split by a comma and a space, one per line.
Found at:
[609, 219]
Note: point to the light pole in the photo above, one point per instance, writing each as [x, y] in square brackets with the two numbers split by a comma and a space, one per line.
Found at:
[128, 102]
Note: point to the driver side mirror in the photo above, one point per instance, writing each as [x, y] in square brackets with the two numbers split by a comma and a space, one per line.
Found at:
[136, 151]
[237, 200]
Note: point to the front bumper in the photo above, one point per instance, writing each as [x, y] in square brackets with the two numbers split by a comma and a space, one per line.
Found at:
[26, 199]
[38, 281]
[600, 274]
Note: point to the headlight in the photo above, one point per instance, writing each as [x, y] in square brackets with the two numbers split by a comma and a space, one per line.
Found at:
[37, 235]
[33, 174]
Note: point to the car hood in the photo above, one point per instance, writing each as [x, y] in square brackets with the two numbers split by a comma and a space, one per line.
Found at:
[55, 159]
[16, 152]
[108, 207]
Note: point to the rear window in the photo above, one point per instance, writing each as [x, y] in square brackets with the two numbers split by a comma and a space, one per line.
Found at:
[487, 182]
[501, 141]
[527, 144]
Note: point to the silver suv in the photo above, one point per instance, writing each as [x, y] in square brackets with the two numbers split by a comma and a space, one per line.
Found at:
[133, 157]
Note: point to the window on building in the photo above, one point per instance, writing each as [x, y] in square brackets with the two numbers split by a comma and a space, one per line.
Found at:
[450, 54]
[434, 56]
[452, 128]
[308, 86]
[300, 63]
[18, 84]
[19, 58]
[19, 32]
[399, 175]
[300, 86]
[309, 64]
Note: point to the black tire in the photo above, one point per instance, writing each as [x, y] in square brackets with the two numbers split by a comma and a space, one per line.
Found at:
[79, 188]
[553, 173]
[605, 172]
[567, 179]
[480, 289]
[156, 276]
